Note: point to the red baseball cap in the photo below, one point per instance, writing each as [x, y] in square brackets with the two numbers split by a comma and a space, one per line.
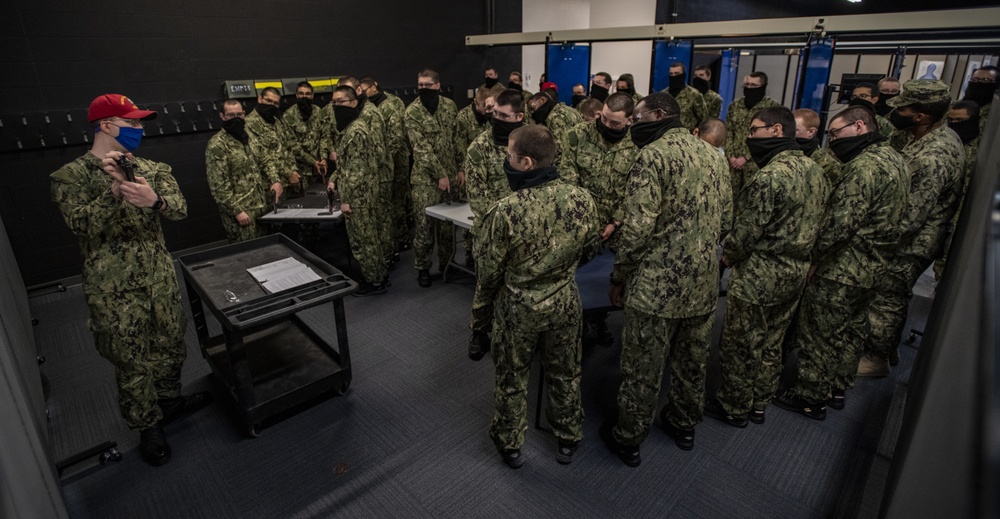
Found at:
[548, 84]
[116, 105]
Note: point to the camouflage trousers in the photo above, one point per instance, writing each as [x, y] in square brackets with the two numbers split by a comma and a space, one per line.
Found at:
[750, 353]
[649, 343]
[891, 303]
[142, 333]
[385, 218]
[833, 318]
[561, 354]
[400, 199]
[236, 233]
[425, 196]
[364, 232]
[482, 308]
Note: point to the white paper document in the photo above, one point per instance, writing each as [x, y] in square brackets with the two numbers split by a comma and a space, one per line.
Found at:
[283, 274]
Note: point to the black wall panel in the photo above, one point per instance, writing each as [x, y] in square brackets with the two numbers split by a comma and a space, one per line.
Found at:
[60, 54]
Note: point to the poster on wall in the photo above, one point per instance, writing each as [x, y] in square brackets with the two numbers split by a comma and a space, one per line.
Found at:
[973, 65]
[930, 69]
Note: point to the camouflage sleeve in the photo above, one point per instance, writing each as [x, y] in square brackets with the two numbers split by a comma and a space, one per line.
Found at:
[640, 210]
[270, 164]
[754, 209]
[846, 211]
[291, 145]
[731, 146]
[353, 170]
[926, 181]
[425, 158]
[165, 185]
[492, 261]
[88, 210]
[219, 184]
[699, 107]
[725, 195]
[566, 166]
[324, 133]
[476, 180]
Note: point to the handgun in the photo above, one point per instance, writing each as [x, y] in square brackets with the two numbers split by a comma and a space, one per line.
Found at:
[128, 166]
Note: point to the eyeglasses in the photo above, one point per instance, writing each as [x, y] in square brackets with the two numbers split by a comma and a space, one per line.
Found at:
[135, 123]
[954, 120]
[639, 116]
[753, 129]
[861, 96]
[270, 101]
[889, 92]
[425, 85]
[503, 116]
[982, 80]
[340, 102]
[230, 115]
[834, 132]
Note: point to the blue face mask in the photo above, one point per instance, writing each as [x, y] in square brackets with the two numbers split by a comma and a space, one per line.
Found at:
[129, 138]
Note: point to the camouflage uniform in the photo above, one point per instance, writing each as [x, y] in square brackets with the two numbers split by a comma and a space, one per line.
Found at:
[693, 108]
[359, 155]
[713, 103]
[381, 168]
[534, 240]
[601, 167]
[392, 109]
[885, 128]
[129, 281]
[560, 120]
[777, 217]
[858, 234]
[738, 119]
[971, 154]
[984, 117]
[667, 261]
[434, 157]
[275, 138]
[486, 184]
[936, 163]
[239, 177]
[467, 128]
[829, 163]
[306, 135]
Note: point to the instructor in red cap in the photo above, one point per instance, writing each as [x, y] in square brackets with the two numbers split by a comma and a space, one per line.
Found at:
[113, 201]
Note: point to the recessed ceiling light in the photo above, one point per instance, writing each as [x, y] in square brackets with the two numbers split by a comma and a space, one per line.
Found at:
[854, 1]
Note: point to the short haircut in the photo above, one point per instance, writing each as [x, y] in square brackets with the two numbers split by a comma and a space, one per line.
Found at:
[628, 78]
[809, 118]
[664, 102]
[490, 68]
[712, 127]
[349, 80]
[512, 98]
[969, 106]
[482, 94]
[887, 79]
[706, 68]
[678, 64]
[535, 141]
[778, 115]
[552, 93]
[581, 85]
[237, 102]
[871, 88]
[620, 102]
[369, 80]
[304, 84]
[431, 74]
[270, 90]
[517, 73]
[352, 94]
[540, 95]
[853, 114]
[590, 106]
[605, 75]
[761, 75]
[937, 109]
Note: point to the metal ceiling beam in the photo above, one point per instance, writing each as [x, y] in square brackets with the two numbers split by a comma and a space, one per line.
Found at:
[956, 19]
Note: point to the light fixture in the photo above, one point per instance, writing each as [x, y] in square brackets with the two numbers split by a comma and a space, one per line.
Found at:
[854, 1]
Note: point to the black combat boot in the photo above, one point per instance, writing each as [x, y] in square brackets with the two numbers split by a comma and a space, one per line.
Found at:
[479, 344]
[153, 445]
[174, 408]
[424, 278]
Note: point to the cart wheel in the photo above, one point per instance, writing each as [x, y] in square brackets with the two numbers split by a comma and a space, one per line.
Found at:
[112, 454]
[342, 388]
[254, 430]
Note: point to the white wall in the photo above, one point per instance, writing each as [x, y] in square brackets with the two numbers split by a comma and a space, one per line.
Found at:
[615, 58]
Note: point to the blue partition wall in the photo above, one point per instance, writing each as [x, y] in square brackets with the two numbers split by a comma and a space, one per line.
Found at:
[812, 89]
[566, 65]
[665, 53]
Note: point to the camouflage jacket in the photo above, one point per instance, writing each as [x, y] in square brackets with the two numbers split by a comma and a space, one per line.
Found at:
[738, 119]
[561, 119]
[885, 128]
[534, 240]
[861, 226]
[984, 117]
[433, 140]
[602, 168]
[392, 113]
[713, 103]
[274, 138]
[485, 180]
[379, 137]
[830, 164]
[122, 245]
[671, 227]
[777, 217]
[467, 128]
[936, 164]
[239, 176]
[693, 109]
[359, 154]
[307, 135]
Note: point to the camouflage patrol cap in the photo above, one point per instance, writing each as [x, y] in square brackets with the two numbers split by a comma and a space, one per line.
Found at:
[921, 91]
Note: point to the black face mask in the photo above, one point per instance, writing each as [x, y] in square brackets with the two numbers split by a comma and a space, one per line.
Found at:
[577, 99]
[378, 98]
[305, 107]
[515, 86]
[611, 135]
[752, 96]
[268, 112]
[237, 128]
[808, 146]
[481, 118]
[490, 82]
[598, 92]
[981, 93]
[502, 129]
[900, 122]
[864, 103]
[429, 98]
[525, 179]
[967, 130]
[703, 85]
[645, 133]
[764, 149]
[627, 90]
[542, 112]
[881, 107]
[345, 115]
[847, 148]
[677, 83]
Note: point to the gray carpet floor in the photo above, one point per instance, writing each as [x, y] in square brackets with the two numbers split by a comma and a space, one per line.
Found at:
[409, 437]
